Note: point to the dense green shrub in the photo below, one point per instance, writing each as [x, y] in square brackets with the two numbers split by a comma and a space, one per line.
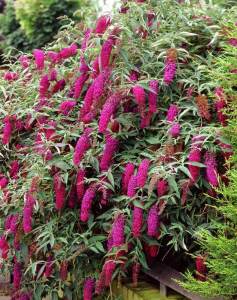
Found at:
[25, 25]
[127, 117]
[42, 26]
[221, 248]
[10, 31]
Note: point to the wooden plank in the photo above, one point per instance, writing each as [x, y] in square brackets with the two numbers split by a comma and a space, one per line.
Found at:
[166, 276]
[163, 289]
[144, 291]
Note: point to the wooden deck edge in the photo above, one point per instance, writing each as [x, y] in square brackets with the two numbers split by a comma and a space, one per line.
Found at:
[168, 277]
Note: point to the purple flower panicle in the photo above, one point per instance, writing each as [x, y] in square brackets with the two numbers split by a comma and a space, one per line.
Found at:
[152, 221]
[128, 172]
[170, 71]
[132, 186]
[88, 289]
[83, 144]
[137, 221]
[172, 113]
[86, 203]
[111, 146]
[39, 59]
[152, 96]
[28, 212]
[211, 169]
[174, 131]
[59, 191]
[66, 106]
[108, 110]
[142, 173]
[102, 23]
[118, 231]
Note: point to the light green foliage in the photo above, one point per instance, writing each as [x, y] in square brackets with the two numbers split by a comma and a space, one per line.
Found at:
[221, 246]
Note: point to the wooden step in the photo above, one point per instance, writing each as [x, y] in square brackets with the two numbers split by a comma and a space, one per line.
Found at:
[144, 291]
[167, 278]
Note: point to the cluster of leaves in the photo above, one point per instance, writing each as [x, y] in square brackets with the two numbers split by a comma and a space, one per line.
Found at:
[142, 34]
[26, 25]
[220, 247]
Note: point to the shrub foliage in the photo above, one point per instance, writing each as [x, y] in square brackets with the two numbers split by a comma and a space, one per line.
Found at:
[220, 248]
[110, 146]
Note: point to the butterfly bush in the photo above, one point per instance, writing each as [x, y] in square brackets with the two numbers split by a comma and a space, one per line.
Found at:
[104, 148]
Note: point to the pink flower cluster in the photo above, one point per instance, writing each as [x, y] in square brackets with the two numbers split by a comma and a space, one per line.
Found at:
[78, 85]
[108, 270]
[146, 120]
[118, 231]
[132, 186]
[66, 107]
[170, 71]
[68, 51]
[28, 212]
[3, 181]
[59, 86]
[142, 173]
[128, 172]
[107, 112]
[59, 191]
[162, 187]
[195, 157]
[140, 97]
[172, 113]
[105, 53]
[17, 275]
[39, 59]
[10, 76]
[94, 93]
[152, 96]
[111, 146]
[87, 202]
[86, 38]
[4, 247]
[174, 131]
[88, 289]
[102, 24]
[211, 169]
[11, 223]
[99, 84]
[24, 61]
[80, 187]
[152, 221]
[137, 221]
[83, 144]
[44, 86]
[48, 267]
[7, 130]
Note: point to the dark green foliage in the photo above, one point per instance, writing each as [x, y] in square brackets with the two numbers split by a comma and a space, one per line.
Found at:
[10, 30]
[25, 25]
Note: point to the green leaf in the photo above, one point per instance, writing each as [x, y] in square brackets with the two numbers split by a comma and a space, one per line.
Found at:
[185, 171]
[99, 246]
[173, 185]
[196, 164]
